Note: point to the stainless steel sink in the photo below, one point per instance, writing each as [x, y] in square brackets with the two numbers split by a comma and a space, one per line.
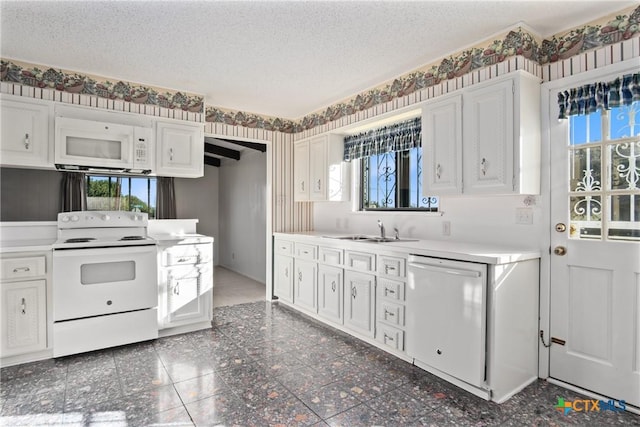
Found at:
[370, 239]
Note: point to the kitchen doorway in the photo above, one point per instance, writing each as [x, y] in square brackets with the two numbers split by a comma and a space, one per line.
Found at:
[594, 294]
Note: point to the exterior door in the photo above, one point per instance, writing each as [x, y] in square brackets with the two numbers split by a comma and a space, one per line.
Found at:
[595, 244]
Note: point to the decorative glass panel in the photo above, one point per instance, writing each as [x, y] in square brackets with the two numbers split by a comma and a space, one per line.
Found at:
[625, 121]
[585, 129]
[625, 217]
[586, 216]
[625, 166]
[585, 169]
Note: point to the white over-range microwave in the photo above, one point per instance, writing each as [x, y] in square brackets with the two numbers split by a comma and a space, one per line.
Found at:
[87, 145]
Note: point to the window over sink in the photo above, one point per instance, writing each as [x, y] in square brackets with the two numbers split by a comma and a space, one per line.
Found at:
[390, 168]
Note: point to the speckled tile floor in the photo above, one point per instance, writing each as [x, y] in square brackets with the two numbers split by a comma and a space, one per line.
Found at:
[261, 364]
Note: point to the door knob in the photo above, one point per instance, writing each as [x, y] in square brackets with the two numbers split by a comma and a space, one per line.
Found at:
[560, 250]
[560, 227]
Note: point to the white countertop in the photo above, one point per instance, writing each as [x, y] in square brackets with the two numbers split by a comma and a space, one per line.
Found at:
[26, 245]
[180, 239]
[473, 252]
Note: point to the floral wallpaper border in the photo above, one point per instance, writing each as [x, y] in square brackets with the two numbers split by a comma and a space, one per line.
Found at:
[72, 82]
[609, 30]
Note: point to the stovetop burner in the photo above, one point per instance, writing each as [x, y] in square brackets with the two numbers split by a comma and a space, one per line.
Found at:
[133, 238]
[79, 240]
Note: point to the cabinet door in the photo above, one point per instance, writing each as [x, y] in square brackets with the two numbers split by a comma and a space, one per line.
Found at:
[180, 150]
[301, 171]
[330, 293]
[359, 304]
[488, 139]
[23, 317]
[24, 139]
[442, 147]
[185, 304]
[318, 168]
[283, 269]
[305, 285]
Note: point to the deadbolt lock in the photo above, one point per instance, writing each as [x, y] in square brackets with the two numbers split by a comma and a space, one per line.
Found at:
[560, 250]
[561, 228]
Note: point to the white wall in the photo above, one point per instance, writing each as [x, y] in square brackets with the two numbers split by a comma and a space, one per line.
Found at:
[478, 219]
[243, 214]
[198, 198]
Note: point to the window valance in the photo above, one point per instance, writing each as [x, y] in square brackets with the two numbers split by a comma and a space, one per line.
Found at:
[599, 95]
[397, 137]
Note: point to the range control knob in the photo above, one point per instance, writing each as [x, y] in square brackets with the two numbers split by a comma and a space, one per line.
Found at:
[75, 218]
[65, 219]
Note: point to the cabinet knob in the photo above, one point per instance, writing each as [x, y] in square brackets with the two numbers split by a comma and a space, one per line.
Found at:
[333, 286]
[170, 153]
[439, 351]
[319, 185]
[23, 306]
[438, 171]
[299, 276]
[176, 288]
[302, 185]
[27, 141]
[483, 166]
[354, 293]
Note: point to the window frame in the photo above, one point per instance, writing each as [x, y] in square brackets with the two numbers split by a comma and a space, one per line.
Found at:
[402, 166]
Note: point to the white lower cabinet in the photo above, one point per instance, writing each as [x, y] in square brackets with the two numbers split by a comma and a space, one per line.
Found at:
[330, 288]
[185, 285]
[359, 304]
[24, 319]
[305, 285]
[283, 272]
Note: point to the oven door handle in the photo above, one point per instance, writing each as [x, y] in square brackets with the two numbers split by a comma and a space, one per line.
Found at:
[131, 249]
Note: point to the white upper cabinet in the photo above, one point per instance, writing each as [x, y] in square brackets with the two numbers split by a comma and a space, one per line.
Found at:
[320, 174]
[301, 171]
[501, 136]
[26, 126]
[442, 146]
[180, 149]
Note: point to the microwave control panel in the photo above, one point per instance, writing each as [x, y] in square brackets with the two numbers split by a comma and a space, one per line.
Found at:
[142, 143]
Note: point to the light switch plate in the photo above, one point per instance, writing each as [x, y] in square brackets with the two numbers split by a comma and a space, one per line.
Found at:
[524, 216]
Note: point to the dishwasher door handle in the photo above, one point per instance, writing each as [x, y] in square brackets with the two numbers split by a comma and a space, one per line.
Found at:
[444, 270]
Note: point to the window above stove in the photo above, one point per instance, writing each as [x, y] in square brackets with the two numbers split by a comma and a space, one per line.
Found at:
[121, 193]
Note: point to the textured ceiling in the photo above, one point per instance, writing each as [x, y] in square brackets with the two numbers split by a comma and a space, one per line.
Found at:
[283, 59]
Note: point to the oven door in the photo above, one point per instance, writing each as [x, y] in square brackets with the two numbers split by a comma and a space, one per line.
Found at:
[96, 281]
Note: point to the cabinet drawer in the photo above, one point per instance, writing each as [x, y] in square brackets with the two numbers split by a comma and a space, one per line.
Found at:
[391, 289]
[391, 337]
[391, 266]
[283, 247]
[360, 261]
[19, 268]
[391, 313]
[304, 251]
[187, 254]
[331, 256]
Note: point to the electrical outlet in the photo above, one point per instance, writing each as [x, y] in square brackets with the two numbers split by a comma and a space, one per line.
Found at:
[446, 228]
[524, 216]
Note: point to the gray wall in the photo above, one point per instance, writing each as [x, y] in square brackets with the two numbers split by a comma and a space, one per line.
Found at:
[198, 198]
[29, 194]
[243, 214]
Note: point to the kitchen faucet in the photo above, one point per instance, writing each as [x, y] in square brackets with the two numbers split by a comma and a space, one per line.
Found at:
[381, 225]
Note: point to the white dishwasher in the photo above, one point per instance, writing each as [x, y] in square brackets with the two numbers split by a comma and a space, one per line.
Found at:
[446, 316]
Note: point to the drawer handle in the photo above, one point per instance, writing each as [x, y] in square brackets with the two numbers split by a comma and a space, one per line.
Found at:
[354, 293]
[23, 306]
[170, 153]
[438, 170]
[21, 269]
[286, 272]
[305, 252]
[176, 288]
[388, 268]
[387, 337]
[26, 141]
[302, 184]
[283, 247]
[389, 291]
[333, 286]
[483, 166]
[182, 259]
[388, 313]
[300, 276]
[319, 185]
